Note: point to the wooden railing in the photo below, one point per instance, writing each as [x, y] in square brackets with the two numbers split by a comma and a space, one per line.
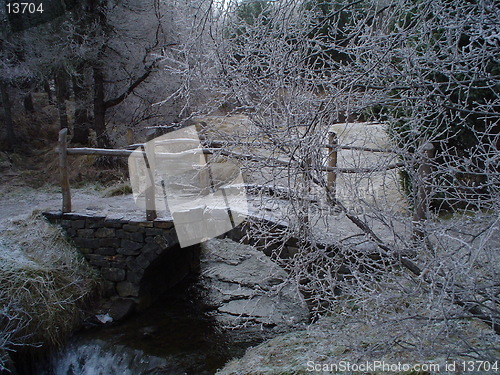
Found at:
[213, 146]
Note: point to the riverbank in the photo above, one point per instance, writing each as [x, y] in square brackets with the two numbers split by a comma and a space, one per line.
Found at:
[353, 344]
[46, 289]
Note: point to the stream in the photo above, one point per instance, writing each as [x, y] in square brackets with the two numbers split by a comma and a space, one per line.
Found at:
[174, 336]
[238, 299]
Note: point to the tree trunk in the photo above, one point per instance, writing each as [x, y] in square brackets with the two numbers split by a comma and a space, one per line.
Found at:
[95, 10]
[82, 120]
[48, 91]
[27, 86]
[100, 109]
[422, 201]
[9, 124]
[61, 90]
[28, 103]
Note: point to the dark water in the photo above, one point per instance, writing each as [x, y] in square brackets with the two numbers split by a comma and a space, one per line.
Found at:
[174, 336]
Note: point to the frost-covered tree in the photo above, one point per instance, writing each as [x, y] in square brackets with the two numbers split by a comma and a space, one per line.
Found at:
[100, 54]
[428, 72]
[13, 71]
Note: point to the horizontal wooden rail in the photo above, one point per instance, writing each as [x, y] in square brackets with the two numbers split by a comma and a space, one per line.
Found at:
[99, 151]
[136, 153]
[358, 148]
[382, 168]
[219, 144]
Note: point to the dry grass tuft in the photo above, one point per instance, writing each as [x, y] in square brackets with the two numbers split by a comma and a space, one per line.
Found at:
[45, 284]
[122, 188]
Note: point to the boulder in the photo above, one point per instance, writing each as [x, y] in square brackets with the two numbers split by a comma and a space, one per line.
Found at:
[121, 308]
[242, 286]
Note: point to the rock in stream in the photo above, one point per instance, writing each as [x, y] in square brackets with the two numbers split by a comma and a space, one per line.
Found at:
[242, 287]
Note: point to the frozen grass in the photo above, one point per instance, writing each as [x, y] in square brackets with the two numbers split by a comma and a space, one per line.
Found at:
[352, 338]
[45, 284]
[121, 188]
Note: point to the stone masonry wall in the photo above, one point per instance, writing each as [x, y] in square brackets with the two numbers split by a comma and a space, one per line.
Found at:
[137, 259]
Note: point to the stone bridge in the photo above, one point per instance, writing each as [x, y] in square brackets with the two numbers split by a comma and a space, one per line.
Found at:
[137, 259]
[140, 260]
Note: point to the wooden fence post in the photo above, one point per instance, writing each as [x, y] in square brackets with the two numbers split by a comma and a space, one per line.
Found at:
[422, 203]
[150, 166]
[63, 166]
[332, 162]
